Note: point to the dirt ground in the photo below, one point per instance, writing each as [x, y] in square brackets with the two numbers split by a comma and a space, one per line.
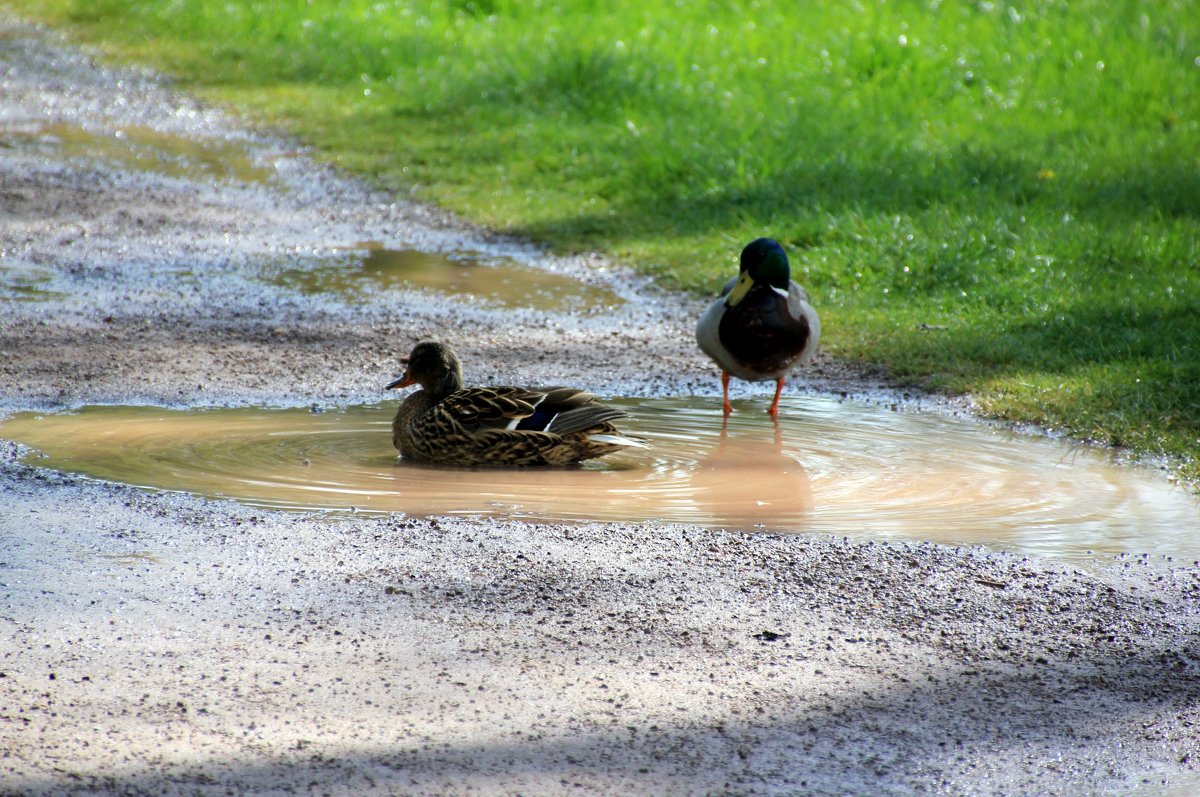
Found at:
[157, 643]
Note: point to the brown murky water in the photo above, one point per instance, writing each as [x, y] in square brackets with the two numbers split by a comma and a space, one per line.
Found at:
[362, 272]
[831, 466]
[141, 149]
[21, 281]
[469, 276]
[828, 466]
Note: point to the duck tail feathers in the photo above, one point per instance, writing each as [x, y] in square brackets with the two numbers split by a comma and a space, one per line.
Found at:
[618, 440]
[582, 418]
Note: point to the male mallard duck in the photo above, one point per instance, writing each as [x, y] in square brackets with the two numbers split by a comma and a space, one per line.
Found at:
[761, 326]
[452, 425]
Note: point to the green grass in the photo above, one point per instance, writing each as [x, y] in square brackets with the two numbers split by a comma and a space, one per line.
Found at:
[987, 197]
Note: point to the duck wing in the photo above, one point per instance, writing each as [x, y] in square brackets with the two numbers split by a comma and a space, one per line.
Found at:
[557, 410]
[478, 409]
[564, 410]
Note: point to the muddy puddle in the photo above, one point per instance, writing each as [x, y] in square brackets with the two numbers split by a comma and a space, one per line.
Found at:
[470, 276]
[139, 149]
[828, 466]
[358, 273]
[26, 282]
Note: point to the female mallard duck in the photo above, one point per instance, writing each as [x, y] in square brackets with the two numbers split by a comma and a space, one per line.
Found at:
[452, 425]
[761, 326]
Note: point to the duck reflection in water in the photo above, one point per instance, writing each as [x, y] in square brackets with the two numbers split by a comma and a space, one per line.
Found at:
[748, 482]
[742, 478]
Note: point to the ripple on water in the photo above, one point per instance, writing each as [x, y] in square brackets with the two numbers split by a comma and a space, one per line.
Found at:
[830, 466]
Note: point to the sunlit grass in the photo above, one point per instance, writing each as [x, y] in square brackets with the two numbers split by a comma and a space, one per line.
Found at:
[985, 196]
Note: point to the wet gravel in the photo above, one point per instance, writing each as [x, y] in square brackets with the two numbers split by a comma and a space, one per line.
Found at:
[156, 643]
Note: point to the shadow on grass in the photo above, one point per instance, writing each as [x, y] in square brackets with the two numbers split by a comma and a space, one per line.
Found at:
[973, 185]
[1124, 375]
[1062, 339]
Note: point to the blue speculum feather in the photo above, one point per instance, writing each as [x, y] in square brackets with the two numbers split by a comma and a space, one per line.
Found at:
[538, 421]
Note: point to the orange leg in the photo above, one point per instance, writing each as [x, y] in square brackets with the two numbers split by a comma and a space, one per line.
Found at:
[774, 410]
[725, 392]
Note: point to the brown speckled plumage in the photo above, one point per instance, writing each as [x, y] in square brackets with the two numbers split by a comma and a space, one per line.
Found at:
[445, 423]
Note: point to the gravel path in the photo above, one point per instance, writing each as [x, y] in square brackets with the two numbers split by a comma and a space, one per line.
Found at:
[157, 643]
